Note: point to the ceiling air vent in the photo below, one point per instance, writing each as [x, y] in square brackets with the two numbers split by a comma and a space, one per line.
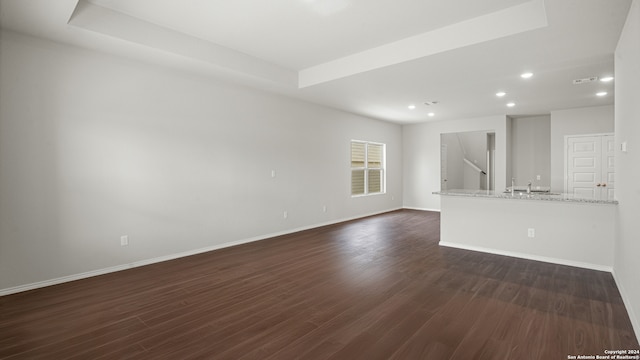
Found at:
[585, 80]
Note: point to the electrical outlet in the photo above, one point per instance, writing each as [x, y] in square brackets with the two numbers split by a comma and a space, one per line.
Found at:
[124, 240]
[285, 214]
[273, 173]
[538, 177]
[531, 233]
[324, 208]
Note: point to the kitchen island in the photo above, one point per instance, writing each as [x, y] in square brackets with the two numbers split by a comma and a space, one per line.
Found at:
[557, 228]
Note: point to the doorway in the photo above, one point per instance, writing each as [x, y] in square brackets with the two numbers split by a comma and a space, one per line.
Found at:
[467, 160]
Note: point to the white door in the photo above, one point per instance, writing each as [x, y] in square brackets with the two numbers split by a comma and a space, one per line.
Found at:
[590, 166]
[584, 156]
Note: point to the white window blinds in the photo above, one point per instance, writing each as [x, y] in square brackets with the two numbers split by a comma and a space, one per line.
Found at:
[367, 168]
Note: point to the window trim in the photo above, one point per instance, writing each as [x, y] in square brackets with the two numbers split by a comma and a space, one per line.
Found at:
[366, 168]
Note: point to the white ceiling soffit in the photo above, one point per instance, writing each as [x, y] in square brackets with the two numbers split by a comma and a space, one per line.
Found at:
[298, 34]
[502, 23]
[116, 24]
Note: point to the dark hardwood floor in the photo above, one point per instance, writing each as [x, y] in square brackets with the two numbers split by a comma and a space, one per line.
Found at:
[374, 288]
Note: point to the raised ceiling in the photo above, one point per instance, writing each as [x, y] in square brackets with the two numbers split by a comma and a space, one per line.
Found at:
[297, 34]
[373, 58]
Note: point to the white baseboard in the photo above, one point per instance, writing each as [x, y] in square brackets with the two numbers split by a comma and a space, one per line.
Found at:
[579, 264]
[420, 209]
[635, 323]
[88, 274]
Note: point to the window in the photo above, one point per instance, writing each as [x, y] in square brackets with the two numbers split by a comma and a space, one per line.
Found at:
[367, 168]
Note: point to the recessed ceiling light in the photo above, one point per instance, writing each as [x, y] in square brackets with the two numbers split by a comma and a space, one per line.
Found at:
[606, 78]
[501, 94]
[411, 107]
[526, 75]
[431, 114]
[601, 93]
[511, 104]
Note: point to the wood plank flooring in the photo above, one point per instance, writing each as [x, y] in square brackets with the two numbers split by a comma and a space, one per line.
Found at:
[374, 288]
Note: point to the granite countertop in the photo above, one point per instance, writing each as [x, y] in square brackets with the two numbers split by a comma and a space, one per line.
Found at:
[520, 195]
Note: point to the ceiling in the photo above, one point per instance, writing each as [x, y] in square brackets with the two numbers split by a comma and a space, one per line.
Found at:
[373, 58]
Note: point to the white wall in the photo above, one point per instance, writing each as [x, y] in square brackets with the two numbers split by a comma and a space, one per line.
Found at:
[530, 150]
[93, 147]
[421, 149]
[589, 120]
[475, 147]
[627, 124]
[501, 226]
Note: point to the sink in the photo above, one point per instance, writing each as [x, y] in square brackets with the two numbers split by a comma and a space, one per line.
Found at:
[533, 192]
